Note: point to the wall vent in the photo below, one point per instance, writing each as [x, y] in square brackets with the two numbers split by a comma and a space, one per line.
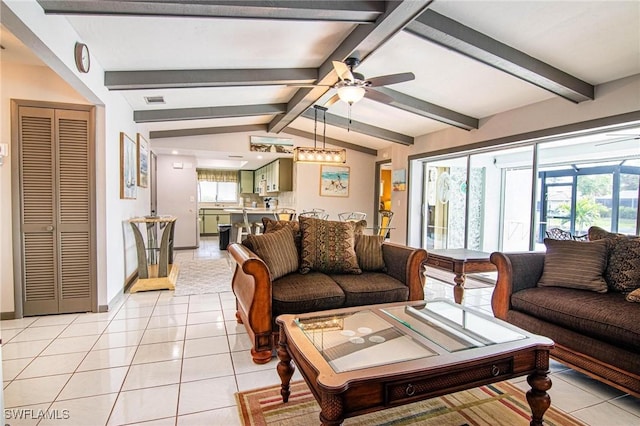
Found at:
[153, 100]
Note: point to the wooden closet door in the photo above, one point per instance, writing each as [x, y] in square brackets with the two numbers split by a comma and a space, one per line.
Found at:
[54, 164]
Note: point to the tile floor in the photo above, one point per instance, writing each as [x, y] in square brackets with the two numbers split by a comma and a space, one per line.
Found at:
[162, 360]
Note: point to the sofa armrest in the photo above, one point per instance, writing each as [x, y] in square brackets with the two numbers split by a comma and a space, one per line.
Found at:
[405, 264]
[516, 271]
[251, 285]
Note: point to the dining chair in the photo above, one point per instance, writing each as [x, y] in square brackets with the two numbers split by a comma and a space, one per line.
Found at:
[244, 228]
[315, 213]
[558, 234]
[285, 214]
[352, 216]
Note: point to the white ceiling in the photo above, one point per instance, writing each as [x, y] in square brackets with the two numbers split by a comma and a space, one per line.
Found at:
[595, 41]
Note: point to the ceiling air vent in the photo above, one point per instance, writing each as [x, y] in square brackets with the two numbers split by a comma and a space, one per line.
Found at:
[153, 100]
[236, 156]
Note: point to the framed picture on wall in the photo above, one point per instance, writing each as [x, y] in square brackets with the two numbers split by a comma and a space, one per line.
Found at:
[334, 181]
[399, 180]
[143, 161]
[128, 167]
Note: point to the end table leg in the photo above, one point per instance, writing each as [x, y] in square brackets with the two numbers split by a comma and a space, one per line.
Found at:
[538, 398]
[458, 290]
[285, 369]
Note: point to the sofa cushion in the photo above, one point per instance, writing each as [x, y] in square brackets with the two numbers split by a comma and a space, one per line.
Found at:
[623, 267]
[371, 288]
[271, 225]
[297, 293]
[607, 317]
[575, 264]
[369, 252]
[328, 246]
[277, 250]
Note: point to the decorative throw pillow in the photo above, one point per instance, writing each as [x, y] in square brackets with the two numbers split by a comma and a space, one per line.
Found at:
[369, 252]
[328, 246]
[277, 250]
[634, 296]
[623, 267]
[360, 227]
[575, 264]
[271, 225]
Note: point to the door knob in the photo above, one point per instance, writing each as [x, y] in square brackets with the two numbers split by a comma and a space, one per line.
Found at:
[49, 228]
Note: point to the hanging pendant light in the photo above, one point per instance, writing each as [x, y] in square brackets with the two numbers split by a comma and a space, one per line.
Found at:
[319, 155]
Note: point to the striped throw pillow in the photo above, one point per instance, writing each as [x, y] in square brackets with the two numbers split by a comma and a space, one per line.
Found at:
[575, 264]
[277, 250]
[369, 252]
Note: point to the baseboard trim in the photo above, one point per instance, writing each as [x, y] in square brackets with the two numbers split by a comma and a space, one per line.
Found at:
[7, 315]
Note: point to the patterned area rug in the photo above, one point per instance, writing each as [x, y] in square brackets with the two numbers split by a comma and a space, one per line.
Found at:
[202, 276]
[500, 404]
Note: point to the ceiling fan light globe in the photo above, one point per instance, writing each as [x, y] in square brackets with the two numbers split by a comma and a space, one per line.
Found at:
[351, 94]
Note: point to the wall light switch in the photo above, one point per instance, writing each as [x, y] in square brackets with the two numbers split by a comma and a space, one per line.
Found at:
[177, 165]
[4, 150]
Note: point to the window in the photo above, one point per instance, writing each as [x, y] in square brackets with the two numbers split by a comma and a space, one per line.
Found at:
[211, 192]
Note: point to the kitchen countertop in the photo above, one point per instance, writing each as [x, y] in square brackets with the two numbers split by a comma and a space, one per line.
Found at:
[251, 210]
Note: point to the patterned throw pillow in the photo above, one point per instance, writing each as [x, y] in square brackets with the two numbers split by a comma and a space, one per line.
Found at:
[575, 264]
[623, 267]
[328, 246]
[277, 250]
[634, 296]
[369, 252]
[271, 225]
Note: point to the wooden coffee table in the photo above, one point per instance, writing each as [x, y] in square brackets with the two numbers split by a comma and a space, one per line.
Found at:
[459, 261]
[364, 359]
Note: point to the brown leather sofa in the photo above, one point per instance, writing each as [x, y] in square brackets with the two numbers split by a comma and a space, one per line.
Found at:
[595, 333]
[259, 300]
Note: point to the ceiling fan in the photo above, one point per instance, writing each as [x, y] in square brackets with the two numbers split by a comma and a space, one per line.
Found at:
[353, 86]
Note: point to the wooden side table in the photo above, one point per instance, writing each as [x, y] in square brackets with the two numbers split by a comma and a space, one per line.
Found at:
[460, 262]
[156, 269]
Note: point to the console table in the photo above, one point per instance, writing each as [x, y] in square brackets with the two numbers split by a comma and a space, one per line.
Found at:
[156, 269]
[459, 261]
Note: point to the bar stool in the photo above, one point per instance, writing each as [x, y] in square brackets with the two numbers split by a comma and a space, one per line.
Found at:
[243, 227]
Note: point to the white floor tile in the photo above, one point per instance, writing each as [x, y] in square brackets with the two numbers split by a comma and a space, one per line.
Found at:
[227, 416]
[239, 342]
[12, 367]
[135, 312]
[164, 334]
[167, 421]
[243, 363]
[108, 358]
[17, 323]
[153, 374]
[118, 340]
[145, 404]
[21, 392]
[52, 365]
[94, 382]
[92, 410]
[628, 403]
[606, 414]
[205, 317]
[172, 309]
[119, 326]
[198, 331]
[233, 327]
[30, 349]
[168, 321]
[206, 367]
[54, 320]
[7, 334]
[70, 344]
[207, 395]
[205, 346]
[590, 385]
[95, 317]
[156, 352]
[39, 333]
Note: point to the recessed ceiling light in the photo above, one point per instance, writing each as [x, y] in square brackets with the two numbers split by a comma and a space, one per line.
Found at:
[259, 157]
[174, 152]
[153, 100]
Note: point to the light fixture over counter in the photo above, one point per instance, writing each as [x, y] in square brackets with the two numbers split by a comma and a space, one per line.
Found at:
[304, 154]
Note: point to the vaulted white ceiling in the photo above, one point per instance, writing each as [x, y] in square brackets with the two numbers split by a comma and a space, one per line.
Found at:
[572, 45]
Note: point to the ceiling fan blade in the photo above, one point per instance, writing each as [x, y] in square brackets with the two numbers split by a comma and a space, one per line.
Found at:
[332, 100]
[378, 97]
[385, 80]
[308, 85]
[343, 71]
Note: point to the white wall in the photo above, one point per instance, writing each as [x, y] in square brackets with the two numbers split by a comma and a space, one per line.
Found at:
[52, 39]
[177, 196]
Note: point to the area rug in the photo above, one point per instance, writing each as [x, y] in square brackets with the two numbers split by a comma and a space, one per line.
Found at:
[500, 404]
[200, 276]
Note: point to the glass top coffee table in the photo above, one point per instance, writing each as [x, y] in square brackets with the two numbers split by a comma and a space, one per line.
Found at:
[363, 359]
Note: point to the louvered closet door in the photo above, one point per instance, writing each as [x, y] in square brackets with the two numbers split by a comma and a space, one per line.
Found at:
[56, 214]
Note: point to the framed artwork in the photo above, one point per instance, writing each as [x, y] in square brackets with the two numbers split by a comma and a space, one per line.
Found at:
[143, 161]
[399, 180]
[334, 181]
[270, 144]
[128, 167]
